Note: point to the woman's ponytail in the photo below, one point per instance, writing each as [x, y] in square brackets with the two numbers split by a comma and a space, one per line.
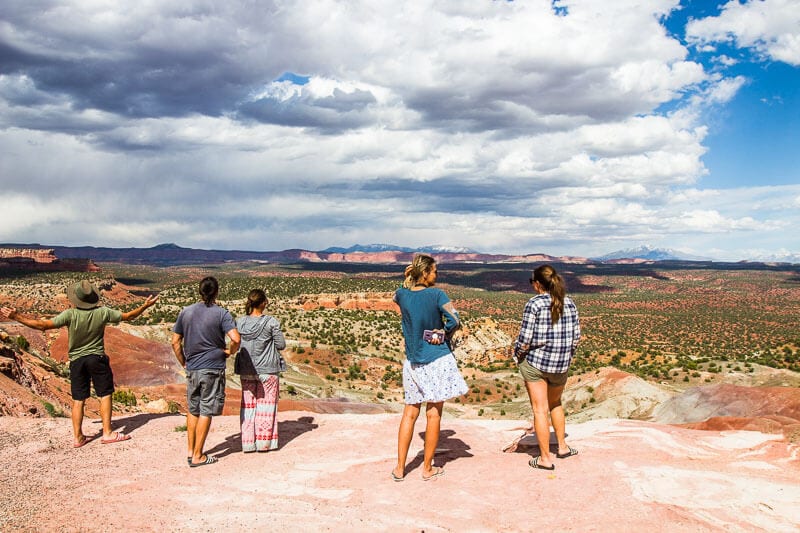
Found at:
[553, 283]
[419, 267]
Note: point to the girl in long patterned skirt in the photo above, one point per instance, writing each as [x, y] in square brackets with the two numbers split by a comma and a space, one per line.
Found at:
[259, 364]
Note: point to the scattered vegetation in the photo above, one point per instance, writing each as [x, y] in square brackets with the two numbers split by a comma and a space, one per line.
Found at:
[681, 323]
[53, 411]
[124, 397]
[22, 342]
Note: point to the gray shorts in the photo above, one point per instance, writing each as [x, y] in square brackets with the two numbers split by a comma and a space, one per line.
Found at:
[531, 373]
[205, 391]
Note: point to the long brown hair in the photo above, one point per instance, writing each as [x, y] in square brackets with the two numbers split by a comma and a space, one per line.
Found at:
[419, 267]
[550, 281]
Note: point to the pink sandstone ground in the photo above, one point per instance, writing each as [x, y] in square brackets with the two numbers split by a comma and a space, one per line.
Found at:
[331, 473]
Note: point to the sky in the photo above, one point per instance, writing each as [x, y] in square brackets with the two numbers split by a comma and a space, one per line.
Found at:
[559, 127]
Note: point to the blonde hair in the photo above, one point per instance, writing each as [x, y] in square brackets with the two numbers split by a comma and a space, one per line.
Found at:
[418, 269]
[550, 281]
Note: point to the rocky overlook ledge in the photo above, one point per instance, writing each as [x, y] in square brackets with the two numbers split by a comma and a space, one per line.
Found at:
[331, 473]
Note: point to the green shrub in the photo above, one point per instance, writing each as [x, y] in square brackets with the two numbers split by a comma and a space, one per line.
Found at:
[124, 397]
[53, 411]
[22, 342]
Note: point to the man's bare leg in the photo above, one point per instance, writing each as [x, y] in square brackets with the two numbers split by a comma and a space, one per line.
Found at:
[191, 428]
[77, 421]
[105, 415]
[202, 426]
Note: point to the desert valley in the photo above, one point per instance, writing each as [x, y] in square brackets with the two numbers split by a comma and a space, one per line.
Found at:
[690, 350]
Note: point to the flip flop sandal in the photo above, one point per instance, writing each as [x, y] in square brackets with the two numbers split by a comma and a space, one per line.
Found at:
[84, 442]
[534, 463]
[210, 460]
[572, 451]
[118, 438]
[439, 472]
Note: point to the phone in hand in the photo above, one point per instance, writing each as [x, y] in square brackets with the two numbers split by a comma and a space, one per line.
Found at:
[431, 336]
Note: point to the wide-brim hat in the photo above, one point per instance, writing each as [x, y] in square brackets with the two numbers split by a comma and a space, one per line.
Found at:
[83, 295]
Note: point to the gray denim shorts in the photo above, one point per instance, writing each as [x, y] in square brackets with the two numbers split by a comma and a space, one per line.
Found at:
[205, 391]
[531, 373]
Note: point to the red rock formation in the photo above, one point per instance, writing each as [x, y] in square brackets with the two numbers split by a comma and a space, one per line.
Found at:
[724, 406]
[136, 362]
[366, 301]
[42, 259]
[27, 383]
[42, 255]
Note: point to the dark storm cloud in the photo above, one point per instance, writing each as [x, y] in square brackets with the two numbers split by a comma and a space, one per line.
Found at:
[148, 84]
[496, 194]
[331, 114]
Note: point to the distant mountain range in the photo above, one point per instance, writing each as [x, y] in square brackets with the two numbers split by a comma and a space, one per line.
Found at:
[371, 248]
[784, 257]
[172, 254]
[650, 254]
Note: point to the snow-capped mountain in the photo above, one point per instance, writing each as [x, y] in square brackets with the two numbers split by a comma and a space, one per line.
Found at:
[650, 254]
[780, 257]
[372, 248]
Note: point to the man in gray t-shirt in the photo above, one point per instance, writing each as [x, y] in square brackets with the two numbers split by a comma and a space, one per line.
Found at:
[198, 341]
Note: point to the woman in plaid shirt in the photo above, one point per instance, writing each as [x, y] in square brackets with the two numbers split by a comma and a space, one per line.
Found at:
[545, 347]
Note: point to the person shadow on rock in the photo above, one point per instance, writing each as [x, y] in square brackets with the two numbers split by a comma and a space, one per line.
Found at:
[448, 449]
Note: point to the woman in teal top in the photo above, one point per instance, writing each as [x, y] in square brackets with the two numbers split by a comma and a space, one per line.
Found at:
[430, 373]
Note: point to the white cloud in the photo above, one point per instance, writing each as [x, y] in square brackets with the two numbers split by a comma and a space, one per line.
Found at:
[772, 27]
[502, 126]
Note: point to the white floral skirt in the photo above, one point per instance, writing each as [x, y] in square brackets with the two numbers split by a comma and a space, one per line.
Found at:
[436, 381]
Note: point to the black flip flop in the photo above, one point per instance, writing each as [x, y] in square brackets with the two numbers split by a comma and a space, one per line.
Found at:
[534, 463]
[210, 460]
[572, 451]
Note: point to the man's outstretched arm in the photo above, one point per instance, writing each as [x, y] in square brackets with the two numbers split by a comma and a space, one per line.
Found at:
[35, 323]
[130, 315]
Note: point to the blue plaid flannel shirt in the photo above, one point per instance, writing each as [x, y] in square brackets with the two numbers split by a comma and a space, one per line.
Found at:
[546, 346]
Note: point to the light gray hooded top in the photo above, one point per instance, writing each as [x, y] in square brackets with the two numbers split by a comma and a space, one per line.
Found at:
[262, 339]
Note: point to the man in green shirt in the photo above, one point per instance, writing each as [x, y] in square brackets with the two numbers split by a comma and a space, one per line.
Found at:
[88, 362]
